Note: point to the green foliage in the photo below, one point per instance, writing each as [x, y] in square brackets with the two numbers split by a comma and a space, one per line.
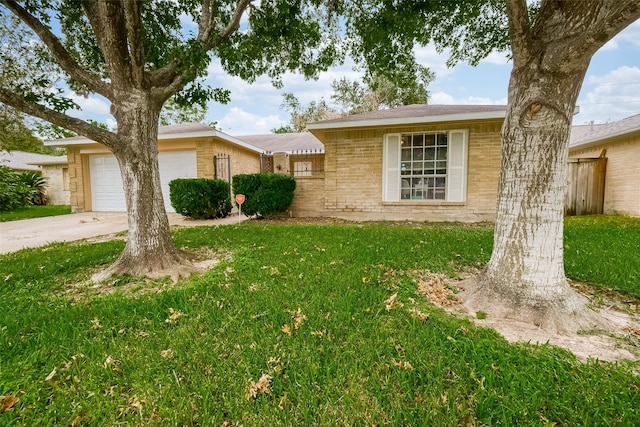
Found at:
[187, 355]
[28, 212]
[14, 192]
[266, 194]
[380, 91]
[200, 198]
[38, 185]
[301, 116]
[173, 113]
[376, 92]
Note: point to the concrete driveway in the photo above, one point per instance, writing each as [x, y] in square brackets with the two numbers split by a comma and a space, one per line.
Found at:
[31, 233]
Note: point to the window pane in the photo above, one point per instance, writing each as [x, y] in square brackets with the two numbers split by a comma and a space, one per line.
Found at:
[423, 166]
[429, 140]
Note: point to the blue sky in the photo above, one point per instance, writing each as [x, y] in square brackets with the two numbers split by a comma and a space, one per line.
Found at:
[611, 90]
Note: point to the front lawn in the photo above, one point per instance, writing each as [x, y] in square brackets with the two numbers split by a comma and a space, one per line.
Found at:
[299, 326]
[29, 212]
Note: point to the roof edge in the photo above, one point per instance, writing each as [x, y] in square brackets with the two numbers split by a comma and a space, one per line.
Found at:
[408, 120]
[603, 138]
[183, 135]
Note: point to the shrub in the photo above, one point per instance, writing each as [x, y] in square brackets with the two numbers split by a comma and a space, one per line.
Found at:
[13, 192]
[200, 198]
[38, 187]
[266, 193]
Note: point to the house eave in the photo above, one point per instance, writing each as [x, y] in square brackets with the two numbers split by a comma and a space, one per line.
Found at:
[603, 139]
[161, 137]
[399, 121]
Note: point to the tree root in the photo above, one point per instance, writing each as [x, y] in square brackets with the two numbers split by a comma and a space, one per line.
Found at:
[175, 265]
[566, 315]
[568, 322]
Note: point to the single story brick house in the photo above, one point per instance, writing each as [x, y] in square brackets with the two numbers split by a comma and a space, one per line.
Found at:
[189, 150]
[53, 168]
[620, 142]
[417, 162]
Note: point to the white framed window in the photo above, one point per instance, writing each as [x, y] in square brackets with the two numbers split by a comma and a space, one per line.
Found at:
[425, 166]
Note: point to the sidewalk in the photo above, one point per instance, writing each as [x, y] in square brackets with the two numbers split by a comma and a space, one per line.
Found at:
[31, 233]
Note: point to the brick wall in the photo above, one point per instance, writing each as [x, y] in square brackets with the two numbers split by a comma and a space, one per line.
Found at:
[622, 180]
[76, 179]
[56, 194]
[353, 177]
[242, 160]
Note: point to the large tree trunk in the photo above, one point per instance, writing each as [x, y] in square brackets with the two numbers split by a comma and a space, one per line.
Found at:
[525, 277]
[526, 265]
[150, 250]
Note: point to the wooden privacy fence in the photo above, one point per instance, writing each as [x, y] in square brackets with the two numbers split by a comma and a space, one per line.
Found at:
[584, 194]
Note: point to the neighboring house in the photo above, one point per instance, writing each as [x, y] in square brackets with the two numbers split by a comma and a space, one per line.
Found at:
[53, 168]
[189, 150]
[620, 141]
[417, 162]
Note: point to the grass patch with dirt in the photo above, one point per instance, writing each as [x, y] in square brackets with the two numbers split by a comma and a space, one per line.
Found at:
[29, 212]
[298, 325]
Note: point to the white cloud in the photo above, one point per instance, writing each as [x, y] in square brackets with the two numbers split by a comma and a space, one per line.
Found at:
[240, 122]
[611, 45]
[497, 58]
[90, 107]
[612, 96]
[436, 62]
[631, 34]
[447, 98]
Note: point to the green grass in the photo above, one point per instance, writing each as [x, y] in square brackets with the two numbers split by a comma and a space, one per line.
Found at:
[187, 356]
[604, 250]
[29, 212]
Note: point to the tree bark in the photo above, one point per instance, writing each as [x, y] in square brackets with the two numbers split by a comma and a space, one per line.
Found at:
[526, 265]
[551, 57]
[150, 250]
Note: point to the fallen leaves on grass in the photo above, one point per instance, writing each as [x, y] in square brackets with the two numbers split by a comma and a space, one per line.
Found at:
[174, 315]
[392, 302]
[419, 314]
[403, 364]
[632, 330]
[286, 329]
[435, 287]
[51, 375]
[95, 323]
[319, 332]
[259, 387]
[167, 354]
[298, 317]
[7, 402]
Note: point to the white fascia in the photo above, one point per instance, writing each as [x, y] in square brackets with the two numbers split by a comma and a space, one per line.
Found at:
[395, 121]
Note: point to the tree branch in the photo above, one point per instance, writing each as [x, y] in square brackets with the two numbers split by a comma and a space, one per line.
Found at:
[519, 31]
[170, 78]
[109, 25]
[134, 35]
[109, 139]
[66, 62]
[231, 27]
[611, 18]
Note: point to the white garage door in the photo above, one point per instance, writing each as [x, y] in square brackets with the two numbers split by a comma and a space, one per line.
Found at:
[107, 193]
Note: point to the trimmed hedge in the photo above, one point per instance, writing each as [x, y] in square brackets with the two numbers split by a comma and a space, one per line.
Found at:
[266, 193]
[200, 198]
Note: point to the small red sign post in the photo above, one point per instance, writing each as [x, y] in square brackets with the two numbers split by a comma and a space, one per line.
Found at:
[239, 200]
